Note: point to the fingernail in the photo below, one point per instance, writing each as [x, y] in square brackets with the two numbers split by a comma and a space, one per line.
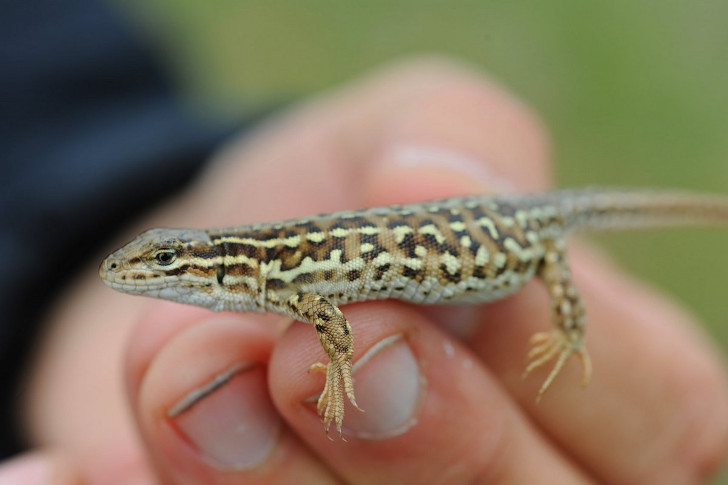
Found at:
[230, 420]
[447, 160]
[32, 469]
[389, 388]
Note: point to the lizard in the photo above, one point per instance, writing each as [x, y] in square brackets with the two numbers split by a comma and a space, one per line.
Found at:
[460, 250]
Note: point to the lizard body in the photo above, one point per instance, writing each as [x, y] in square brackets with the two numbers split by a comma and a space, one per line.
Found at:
[460, 250]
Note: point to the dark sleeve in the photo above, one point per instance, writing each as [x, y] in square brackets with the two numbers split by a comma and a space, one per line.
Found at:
[90, 134]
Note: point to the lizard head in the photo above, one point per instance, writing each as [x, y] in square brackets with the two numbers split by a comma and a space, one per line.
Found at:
[173, 264]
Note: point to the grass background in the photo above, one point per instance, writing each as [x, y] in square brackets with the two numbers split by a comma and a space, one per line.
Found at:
[633, 93]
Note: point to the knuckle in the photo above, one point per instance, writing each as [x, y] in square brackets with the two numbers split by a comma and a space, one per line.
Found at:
[446, 100]
[463, 84]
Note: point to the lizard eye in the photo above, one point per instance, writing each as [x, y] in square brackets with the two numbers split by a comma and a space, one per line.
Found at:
[165, 257]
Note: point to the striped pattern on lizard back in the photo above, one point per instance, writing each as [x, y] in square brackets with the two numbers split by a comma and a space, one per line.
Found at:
[459, 250]
[463, 250]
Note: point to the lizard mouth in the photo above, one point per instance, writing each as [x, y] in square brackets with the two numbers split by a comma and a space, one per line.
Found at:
[118, 276]
[128, 282]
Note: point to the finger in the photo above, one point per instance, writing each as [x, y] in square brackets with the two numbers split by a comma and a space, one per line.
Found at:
[657, 407]
[432, 413]
[198, 390]
[357, 147]
[465, 135]
[39, 467]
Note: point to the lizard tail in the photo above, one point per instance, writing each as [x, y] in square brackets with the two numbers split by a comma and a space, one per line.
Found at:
[603, 209]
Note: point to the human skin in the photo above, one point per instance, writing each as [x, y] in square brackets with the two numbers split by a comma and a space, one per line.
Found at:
[655, 412]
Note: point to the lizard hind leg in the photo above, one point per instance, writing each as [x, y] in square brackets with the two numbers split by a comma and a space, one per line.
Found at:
[567, 336]
[336, 338]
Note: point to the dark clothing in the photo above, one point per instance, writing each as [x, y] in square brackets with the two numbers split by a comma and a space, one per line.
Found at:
[90, 134]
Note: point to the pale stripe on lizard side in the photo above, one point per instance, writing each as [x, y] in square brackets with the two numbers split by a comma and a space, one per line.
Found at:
[460, 250]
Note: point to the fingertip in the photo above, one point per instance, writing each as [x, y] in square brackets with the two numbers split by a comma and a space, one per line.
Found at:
[428, 404]
[465, 134]
[656, 406]
[160, 323]
[205, 412]
[391, 386]
[203, 385]
[389, 398]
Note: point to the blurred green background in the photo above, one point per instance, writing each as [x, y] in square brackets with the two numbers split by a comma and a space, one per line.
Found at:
[633, 93]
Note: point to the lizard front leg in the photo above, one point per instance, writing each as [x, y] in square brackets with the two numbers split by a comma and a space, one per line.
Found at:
[336, 338]
[567, 336]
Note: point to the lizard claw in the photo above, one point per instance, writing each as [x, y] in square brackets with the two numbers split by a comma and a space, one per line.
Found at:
[555, 344]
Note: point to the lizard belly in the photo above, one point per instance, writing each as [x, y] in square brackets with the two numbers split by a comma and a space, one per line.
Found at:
[430, 290]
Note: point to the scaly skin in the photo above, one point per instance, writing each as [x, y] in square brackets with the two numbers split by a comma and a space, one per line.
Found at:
[459, 250]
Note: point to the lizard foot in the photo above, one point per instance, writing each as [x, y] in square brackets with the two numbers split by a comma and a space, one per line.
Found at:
[546, 346]
[330, 405]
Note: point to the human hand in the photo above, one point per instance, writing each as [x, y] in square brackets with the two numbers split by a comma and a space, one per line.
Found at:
[440, 408]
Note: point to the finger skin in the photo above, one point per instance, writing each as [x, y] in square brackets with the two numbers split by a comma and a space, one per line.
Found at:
[170, 362]
[339, 153]
[40, 467]
[464, 428]
[658, 400]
